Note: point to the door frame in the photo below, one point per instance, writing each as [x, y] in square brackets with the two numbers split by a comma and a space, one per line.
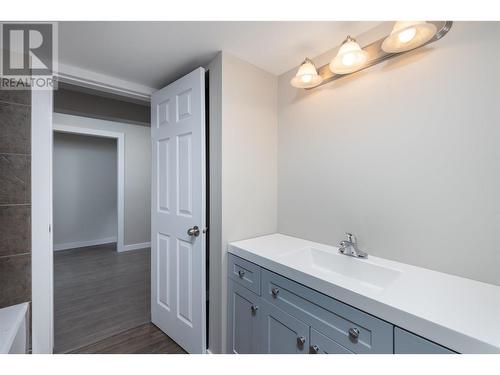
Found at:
[42, 267]
[120, 143]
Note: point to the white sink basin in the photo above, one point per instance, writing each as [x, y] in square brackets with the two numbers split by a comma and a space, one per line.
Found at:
[333, 264]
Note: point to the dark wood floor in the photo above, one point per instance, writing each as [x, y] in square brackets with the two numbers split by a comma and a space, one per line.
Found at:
[99, 293]
[145, 339]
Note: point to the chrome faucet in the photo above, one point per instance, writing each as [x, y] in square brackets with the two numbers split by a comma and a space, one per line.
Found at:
[350, 247]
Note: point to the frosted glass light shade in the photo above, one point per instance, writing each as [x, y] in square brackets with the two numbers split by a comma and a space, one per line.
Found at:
[349, 58]
[307, 76]
[407, 35]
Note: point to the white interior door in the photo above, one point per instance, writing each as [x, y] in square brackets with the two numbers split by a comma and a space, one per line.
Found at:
[178, 207]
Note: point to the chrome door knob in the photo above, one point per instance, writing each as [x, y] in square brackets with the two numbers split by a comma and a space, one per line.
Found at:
[194, 231]
[275, 292]
[254, 308]
[354, 333]
[314, 349]
[241, 273]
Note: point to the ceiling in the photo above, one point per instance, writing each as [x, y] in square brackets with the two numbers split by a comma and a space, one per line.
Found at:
[157, 53]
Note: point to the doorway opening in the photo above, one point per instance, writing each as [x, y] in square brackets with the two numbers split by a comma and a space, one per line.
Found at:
[71, 114]
[90, 292]
[73, 123]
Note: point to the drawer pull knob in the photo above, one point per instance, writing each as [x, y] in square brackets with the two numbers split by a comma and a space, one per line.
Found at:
[354, 333]
[275, 292]
[241, 273]
[254, 308]
[301, 341]
[314, 349]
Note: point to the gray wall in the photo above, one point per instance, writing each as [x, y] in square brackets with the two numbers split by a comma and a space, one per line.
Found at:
[15, 197]
[85, 190]
[90, 103]
[137, 173]
[406, 155]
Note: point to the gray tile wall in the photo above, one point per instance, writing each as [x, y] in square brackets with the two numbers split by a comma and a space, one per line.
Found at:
[15, 197]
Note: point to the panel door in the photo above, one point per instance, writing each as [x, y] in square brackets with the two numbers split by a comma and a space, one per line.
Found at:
[282, 333]
[178, 206]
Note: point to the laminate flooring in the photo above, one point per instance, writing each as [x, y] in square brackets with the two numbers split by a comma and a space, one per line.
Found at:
[145, 339]
[99, 293]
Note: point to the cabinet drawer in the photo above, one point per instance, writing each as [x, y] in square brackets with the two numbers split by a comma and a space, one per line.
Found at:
[353, 329]
[244, 273]
[407, 343]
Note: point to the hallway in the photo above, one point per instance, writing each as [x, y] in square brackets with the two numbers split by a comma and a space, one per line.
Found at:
[99, 293]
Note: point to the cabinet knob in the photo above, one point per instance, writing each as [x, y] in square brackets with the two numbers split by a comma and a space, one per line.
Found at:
[314, 349]
[275, 292]
[301, 341]
[354, 333]
[254, 308]
[241, 273]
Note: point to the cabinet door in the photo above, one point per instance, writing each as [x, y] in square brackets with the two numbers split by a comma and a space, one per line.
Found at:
[243, 318]
[281, 332]
[320, 344]
[408, 343]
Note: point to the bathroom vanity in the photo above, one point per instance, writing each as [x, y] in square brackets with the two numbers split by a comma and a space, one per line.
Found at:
[288, 295]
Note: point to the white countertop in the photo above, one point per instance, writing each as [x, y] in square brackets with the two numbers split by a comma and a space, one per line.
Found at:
[11, 319]
[459, 313]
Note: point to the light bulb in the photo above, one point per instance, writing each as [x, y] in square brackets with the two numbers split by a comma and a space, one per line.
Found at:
[349, 58]
[306, 78]
[307, 75]
[407, 35]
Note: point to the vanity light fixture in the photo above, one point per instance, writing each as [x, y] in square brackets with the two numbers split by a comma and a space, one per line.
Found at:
[349, 58]
[307, 76]
[407, 35]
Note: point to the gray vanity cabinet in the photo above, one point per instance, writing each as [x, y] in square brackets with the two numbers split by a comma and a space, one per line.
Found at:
[269, 313]
[282, 333]
[243, 320]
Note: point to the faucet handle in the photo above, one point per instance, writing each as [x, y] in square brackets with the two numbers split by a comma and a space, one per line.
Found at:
[350, 237]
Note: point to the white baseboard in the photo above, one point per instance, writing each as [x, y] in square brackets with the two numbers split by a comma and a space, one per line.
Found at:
[136, 246]
[74, 245]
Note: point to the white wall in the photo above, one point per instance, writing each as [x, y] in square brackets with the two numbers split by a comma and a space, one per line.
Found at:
[243, 158]
[137, 173]
[406, 155]
[85, 190]
[249, 154]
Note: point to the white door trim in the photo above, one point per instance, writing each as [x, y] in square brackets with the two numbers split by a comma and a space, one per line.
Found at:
[120, 139]
[42, 291]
